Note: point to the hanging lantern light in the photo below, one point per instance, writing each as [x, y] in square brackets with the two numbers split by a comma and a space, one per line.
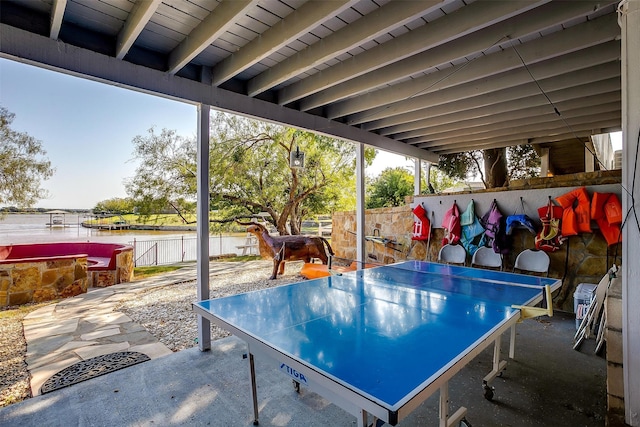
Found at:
[296, 159]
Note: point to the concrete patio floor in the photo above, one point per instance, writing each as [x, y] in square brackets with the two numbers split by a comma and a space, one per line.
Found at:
[548, 384]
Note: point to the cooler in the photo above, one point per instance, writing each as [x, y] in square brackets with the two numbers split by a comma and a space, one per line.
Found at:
[582, 299]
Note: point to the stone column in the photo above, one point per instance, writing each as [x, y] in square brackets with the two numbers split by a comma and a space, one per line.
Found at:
[613, 336]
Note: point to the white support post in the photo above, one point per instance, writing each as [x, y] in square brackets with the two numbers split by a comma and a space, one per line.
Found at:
[629, 20]
[544, 162]
[589, 160]
[204, 325]
[360, 217]
[417, 177]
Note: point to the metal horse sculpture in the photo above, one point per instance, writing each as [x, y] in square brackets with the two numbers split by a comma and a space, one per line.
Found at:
[288, 248]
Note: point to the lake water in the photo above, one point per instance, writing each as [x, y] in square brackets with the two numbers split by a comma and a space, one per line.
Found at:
[152, 247]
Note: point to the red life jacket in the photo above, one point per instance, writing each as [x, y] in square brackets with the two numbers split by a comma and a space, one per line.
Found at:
[421, 225]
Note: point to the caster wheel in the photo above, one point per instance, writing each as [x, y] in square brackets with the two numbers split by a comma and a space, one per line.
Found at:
[464, 423]
[488, 393]
[296, 386]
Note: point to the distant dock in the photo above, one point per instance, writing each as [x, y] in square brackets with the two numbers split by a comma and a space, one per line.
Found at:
[142, 227]
[57, 225]
[113, 226]
[105, 222]
[57, 219]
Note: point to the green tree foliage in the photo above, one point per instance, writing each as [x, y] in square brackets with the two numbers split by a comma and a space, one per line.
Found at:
[166, 173]
[439, 181]
[116, 205]
[523, 162]
[249, 171]
[461, 166]
[495, 166]
[393, 184]
[390, 188]
[23, 166]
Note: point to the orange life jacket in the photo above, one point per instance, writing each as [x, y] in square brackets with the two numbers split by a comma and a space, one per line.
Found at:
[606, 209]
[575, 220]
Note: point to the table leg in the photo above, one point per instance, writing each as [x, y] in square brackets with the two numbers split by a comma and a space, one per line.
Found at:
[445, 419]
[362, 419]
[254, 391]
[512, 342]
[498, 367]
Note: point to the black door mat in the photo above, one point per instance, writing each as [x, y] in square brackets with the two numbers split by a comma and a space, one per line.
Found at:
[92, 368]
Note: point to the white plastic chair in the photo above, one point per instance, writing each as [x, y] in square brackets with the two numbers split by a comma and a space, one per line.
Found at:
[452, 254]
[486, 257]
[532, 261]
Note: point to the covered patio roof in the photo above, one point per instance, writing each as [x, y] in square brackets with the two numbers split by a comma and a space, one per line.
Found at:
[419, 78]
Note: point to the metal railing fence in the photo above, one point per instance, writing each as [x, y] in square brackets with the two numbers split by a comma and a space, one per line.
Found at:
[171, 251]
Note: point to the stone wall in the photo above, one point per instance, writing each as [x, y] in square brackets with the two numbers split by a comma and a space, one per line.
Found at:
[24, 282]
[391, 223]
[122, 274]
[41, 280]
[582, 259]
[613, 337]
[124, 266]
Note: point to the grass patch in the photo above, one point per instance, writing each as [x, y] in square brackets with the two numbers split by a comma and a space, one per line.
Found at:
[153, 270]
[20, 311]
[156, 219]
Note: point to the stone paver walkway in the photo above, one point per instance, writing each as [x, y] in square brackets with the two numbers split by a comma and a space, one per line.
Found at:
[79, 328]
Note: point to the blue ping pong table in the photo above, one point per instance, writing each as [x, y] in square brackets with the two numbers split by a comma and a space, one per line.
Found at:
[380, 341]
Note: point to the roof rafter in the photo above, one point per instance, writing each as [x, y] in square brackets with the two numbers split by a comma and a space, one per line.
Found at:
[472, 123]
[57, 13]
[557, 67]
[466, 109]
[542, 115]
[595, 129]
[140, 15]
[213, 26]
[557, 44]
[553, 126]
[299, 22]
[456, 25]
[382, 20]
[582, 77]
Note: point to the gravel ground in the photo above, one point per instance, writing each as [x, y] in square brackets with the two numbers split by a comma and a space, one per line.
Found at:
[14, 377]
[165, 312]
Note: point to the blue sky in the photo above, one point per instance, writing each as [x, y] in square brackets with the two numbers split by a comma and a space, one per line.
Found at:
[87, 127]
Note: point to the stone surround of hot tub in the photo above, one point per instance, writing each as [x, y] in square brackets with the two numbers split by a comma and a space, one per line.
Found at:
[47, 271]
